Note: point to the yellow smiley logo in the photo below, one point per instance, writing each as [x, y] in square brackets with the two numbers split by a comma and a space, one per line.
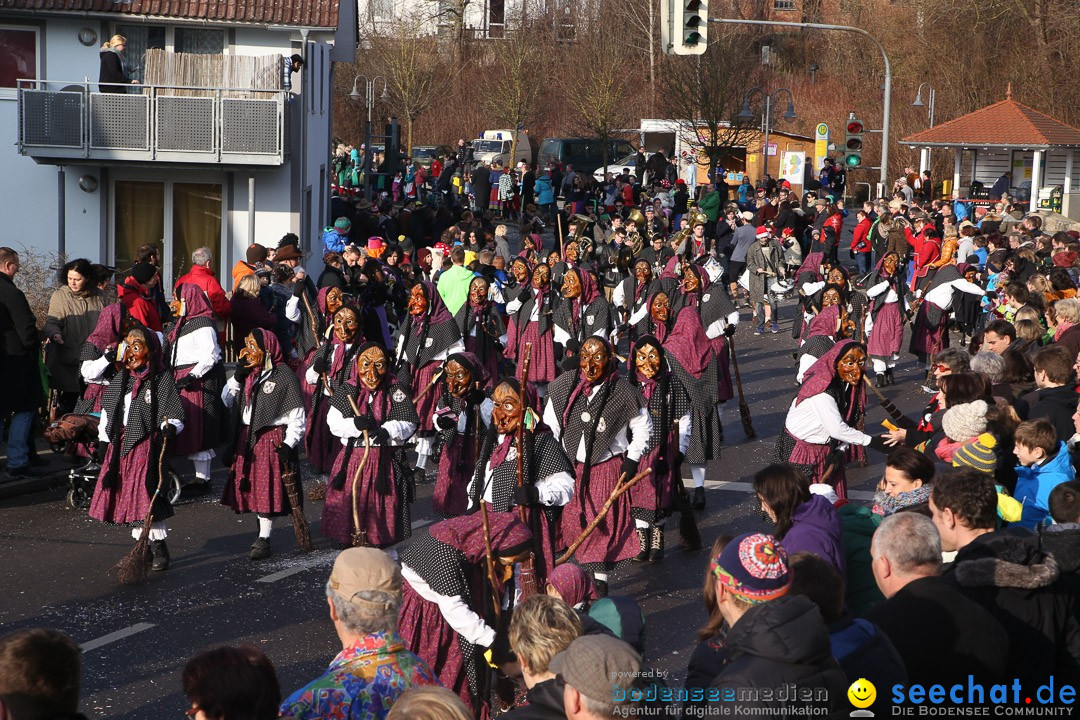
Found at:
[862, 693]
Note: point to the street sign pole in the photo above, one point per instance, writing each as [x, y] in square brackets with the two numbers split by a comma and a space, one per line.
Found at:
[887, 109]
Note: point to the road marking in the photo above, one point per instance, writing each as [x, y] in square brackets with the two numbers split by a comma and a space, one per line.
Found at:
[274, 577]
[748, 487]
[417, 524]
[113, 637]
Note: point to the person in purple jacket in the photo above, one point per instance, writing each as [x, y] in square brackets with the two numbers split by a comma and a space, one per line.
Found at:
[803, 522]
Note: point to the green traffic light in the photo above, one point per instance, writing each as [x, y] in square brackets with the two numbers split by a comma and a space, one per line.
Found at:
[852, 160]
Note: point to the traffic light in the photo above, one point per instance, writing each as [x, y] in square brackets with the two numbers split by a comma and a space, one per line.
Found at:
[853, 144]
[684, 26]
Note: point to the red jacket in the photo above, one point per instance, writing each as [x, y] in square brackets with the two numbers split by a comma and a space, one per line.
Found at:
[137, 303]
[926, 250]
[860, 241]
[202, 277]
[835, 222]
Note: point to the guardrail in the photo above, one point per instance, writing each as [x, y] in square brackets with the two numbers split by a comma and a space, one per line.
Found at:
[152, 123]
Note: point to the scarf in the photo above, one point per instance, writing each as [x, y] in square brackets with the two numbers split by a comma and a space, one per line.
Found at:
[886, 505]
[196, 305]
[574, 585]
[688, 343]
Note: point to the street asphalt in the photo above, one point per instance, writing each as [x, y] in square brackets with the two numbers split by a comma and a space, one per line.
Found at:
[55, 564]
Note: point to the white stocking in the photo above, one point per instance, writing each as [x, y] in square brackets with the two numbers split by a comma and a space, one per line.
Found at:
[265, 525]
[602, 577]
[202, 468]
[698, 473]
[641, 524]
[879, 366]
[158, 531]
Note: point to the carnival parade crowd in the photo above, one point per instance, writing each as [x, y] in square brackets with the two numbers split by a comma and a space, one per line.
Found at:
[557, 397]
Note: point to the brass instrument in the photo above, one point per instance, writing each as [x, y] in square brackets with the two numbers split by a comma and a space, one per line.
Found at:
[584, 241]
[636, 240]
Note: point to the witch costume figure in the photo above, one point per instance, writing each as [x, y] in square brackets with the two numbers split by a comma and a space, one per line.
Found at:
[603, 423]
[547, 475]
[428, 338]
[582, 314]
[367, 502]
[194, 356]
[140, 408]
[268, 420]
[461, 414]
[97, 359]
[690, 358]
[329, 369]
[929, 332]
[654, 497]
[448, 604]
[885, 318]
[570, 260]
[482, 329]
[531, 314]
[719, 318]
[821, 423]
[311, 334]
[652, 318]
[631, 299]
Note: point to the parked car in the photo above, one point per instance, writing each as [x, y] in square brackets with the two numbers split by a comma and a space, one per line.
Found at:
[628, 163]
[584, 154]
[424, 154]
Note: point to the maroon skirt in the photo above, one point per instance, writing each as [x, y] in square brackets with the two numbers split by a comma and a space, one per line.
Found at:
[322, 446]
[456, 466]
[927, 339]
[811, 460]
[614, 540]
[306, 388]
[724, 390]
[887, 334]
[191, 399]
[511, 337]
[129, 500]
[427, 634]
[652, 497]
[541, 357]
[384, 519]
[425, 406]
[255, 483]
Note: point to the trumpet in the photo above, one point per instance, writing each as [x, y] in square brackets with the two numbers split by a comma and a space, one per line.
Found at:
[584, 242]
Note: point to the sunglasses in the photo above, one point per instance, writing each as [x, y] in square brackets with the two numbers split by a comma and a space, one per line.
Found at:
[942, 367]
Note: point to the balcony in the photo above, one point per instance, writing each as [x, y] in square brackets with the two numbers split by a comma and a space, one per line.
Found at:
[69, 122]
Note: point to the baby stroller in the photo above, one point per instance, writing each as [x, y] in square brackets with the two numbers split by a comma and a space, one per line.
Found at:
[73, 432]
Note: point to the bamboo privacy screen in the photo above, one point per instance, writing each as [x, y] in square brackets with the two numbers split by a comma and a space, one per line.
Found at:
[210, 71]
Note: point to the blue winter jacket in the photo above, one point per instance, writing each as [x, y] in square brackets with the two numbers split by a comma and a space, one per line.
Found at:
[1033, 485]
[544, 193]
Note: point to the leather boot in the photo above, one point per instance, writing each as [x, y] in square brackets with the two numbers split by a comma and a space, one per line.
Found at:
[889, 377]
[601, 587]
[159, 551]
[260, 549]
[656, 546]
[643, 543]
[699, 498]
[880, 381]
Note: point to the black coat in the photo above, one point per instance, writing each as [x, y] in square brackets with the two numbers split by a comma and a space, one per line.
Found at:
[1022, 587]
[332, 277]
[1055, 404]
[778, 643]
[545, 703]
[1062, 540]
[942, 635]
[19, 349]
[865, 651]
[112, 71]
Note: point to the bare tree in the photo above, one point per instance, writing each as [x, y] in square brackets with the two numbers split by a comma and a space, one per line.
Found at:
[704, 94]
[600, 92]
[519, 79]
[414, 76]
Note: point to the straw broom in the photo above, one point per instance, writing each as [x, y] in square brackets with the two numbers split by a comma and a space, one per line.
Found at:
[132, 569]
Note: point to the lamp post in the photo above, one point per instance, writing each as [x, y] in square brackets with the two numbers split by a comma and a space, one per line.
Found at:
[768, 99]
[924, 153]
[369, 97]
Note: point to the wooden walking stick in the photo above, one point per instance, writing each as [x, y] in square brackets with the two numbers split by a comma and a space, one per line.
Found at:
[744, 409]
[434, 379]
[489, 560]
[132, 569]
[894, 412]
[358, 535]
[621, 487]
[527, 576]
[300, 523]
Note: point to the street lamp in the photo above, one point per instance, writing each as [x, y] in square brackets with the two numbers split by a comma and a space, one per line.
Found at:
[924, 154]
[369, 98]
[814, 67]
[768, 100]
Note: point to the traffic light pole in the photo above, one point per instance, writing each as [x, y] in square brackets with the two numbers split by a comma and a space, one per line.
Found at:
[883, 176]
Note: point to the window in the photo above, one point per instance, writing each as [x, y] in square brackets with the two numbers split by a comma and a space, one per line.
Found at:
[198, 41]
[18, 55]
[784, 5]
[140, 38]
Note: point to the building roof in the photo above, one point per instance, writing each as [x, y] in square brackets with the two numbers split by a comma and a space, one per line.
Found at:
[292, 13]
[1003, 124]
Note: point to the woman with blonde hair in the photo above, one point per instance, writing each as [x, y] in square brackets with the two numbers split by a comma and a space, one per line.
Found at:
[428, 702]
[114, 72]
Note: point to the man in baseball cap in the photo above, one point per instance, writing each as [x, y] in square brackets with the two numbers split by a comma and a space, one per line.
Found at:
[374, 667]
[596, 672]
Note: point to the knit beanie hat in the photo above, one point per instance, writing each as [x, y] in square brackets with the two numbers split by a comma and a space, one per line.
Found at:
[977, 454]
[753, 566]
[965, 421]
[143, 272]
[343, 225]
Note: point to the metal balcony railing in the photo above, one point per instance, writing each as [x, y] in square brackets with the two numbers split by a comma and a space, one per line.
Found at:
[152, 123]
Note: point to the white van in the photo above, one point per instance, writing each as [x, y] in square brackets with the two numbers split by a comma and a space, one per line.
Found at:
[495, 146]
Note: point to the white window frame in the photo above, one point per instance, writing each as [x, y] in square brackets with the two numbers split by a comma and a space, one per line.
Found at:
[12, 93]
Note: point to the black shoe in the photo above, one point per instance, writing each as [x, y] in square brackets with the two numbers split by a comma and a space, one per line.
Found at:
[260, 549]
[880, 381]
[160, 553]
[643, 542]
[19, 473]
[889, 377]
[601, 587]
[698, 502]
[656, 546]
[196, 488]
